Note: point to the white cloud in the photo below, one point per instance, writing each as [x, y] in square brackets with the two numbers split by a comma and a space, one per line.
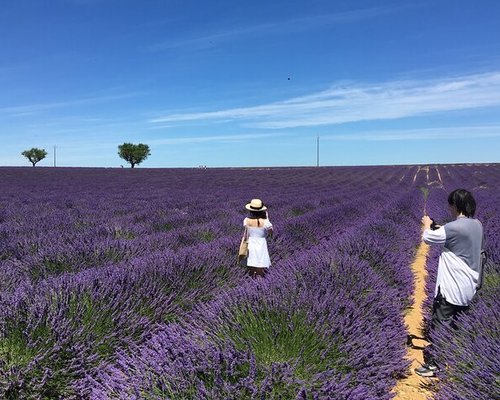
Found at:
[23, 110]
[214, 138]
[278, 27]
[287, 26]
[419, 134]
[355, 102]
[85, 144]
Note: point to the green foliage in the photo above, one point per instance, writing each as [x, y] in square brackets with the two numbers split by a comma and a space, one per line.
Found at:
[492, 281]
[50, 267]
[162, 227]
[282, 337]
[95, 321]
[296, 211]
[19, 347]
[119, 233]
[114, 254]
[425, 191]
[34, 155]
[133, 153]
[14, 350]
[206, 236]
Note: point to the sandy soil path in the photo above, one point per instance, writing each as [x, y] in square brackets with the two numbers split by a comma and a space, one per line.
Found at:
[414, 387]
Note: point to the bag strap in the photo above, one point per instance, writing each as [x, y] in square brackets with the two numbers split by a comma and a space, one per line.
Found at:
[482, 263]
[483, 258]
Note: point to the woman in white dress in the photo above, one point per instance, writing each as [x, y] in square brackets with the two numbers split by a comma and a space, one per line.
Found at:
[258, 227]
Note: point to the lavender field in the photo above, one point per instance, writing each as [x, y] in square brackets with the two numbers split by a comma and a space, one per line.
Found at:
[123, 284]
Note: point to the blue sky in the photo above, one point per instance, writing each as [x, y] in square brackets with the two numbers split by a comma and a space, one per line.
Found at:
[233, 83]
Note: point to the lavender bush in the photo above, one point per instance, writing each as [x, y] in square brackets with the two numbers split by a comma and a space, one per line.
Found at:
[267, 328]
[123, 283]
[300, 333]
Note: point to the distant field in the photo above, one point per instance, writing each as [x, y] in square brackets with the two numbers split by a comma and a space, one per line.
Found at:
[123, 284]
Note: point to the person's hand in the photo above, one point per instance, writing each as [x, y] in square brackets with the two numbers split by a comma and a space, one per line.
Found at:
[427, 222]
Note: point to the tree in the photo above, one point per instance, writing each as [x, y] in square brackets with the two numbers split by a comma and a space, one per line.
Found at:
[34, 155]
[133, 153]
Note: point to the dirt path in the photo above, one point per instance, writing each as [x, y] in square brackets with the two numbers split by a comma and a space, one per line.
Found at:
[425, 169]
[413, 387]
[439, 177]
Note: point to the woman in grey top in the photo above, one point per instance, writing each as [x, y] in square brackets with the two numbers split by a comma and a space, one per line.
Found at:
[459, 268]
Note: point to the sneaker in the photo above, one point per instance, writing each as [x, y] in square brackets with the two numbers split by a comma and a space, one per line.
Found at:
[427, 370]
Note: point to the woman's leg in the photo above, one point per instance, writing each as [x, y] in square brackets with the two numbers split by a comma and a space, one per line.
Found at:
[255, 272]
[445, 313]
[442, 313]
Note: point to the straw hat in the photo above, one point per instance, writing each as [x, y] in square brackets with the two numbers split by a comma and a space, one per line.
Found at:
[256, 205]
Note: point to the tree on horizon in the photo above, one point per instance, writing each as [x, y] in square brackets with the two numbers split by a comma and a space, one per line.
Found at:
[34, 155]
[134, 153]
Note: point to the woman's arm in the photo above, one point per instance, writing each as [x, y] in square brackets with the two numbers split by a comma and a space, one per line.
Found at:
[432, 236]
[268, 226]
[437, 236]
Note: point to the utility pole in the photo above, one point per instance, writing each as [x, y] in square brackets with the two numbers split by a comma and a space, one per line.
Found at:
[54, 155]
[317, 151]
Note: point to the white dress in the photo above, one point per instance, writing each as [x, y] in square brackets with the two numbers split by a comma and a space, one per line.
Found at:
[258, 255]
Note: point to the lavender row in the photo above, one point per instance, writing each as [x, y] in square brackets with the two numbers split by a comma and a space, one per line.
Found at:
[327, 324]
[137, 315]
[38, 331]
[56, 251]
[52, 233]
[63, 327]
[294, 335]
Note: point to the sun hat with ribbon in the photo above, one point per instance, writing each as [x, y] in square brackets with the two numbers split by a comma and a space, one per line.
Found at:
[256, 205]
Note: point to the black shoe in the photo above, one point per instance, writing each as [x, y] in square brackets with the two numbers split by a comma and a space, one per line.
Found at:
[427, 370]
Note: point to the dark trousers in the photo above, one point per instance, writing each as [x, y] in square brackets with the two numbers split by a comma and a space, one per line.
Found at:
[255, 272]
[443, 313]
